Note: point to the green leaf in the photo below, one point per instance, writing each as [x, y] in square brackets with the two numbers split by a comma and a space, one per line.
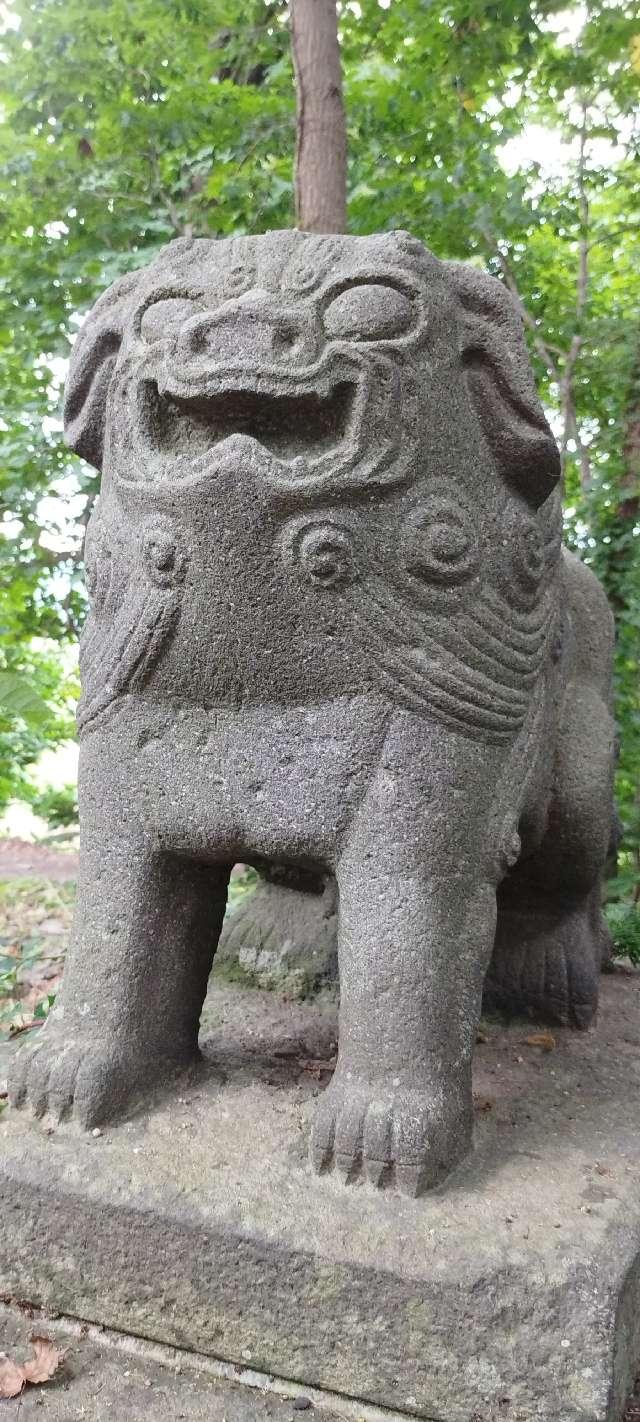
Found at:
[43, 1007]
[18, 698]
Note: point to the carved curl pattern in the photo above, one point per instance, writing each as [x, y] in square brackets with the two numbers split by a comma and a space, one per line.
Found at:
[526, 553]
[322, 550]
[440, 542]
[163, 555]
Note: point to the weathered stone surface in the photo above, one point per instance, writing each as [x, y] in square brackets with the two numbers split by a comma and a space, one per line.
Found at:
[284, 935]
[331, 627]
[511, 1295]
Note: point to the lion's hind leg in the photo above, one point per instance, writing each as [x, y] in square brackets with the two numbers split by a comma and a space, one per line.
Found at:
[547, 955]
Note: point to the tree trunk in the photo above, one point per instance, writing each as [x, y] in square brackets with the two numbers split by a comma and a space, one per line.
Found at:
[321, 144]
[622, 585]
[629, 506]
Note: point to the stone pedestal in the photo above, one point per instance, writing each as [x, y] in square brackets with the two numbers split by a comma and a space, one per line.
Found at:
[512, 1294]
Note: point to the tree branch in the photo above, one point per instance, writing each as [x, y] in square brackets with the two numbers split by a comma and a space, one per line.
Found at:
[570, 420]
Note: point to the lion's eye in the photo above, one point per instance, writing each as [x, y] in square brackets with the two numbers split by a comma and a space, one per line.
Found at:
[164, 318]
[368, 313]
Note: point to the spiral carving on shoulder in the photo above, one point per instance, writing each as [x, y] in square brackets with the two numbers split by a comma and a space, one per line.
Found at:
[527, 562]
[441, 543]
[322, 549]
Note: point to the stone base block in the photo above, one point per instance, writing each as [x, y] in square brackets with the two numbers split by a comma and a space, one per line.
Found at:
[511, 1294]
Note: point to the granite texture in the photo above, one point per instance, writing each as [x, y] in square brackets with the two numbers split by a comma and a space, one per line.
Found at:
[331, 627]
[511, 1294]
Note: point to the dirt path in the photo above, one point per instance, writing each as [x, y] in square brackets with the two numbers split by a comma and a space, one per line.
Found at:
[24, 859]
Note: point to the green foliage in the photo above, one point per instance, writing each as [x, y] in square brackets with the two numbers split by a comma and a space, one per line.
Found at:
[240, 885]
[57, 805]
[19, 699]
[30, 956]
[128, 123]
[12, 1012]
[36, 709]
[624, 925]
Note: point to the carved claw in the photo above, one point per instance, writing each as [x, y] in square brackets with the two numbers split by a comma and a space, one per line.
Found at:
[60, 1078]
[389, 1137]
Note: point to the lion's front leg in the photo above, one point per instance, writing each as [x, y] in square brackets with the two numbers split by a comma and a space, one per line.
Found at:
[128, 1012]
[417, 911]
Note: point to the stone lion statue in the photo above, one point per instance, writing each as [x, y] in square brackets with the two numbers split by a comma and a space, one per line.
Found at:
[332, 628]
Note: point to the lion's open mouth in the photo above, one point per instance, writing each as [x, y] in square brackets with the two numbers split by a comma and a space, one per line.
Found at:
[288, 425]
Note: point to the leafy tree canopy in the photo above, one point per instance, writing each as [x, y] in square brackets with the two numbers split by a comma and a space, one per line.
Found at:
[127, 123]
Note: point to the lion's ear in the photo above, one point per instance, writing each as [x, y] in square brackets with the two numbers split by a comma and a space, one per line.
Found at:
[501, 384]
[90, 369]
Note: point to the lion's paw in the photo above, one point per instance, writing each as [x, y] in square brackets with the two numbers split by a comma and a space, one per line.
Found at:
[390, 1135]
[93, 1081]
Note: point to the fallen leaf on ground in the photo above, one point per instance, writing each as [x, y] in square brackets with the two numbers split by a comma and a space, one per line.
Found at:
[41, 1368]
[546, 1040]
[316, 1068]
[46, 1360]
[12, 1378]
[482, 1103]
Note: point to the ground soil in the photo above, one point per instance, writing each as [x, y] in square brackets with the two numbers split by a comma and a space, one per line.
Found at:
[21, 858]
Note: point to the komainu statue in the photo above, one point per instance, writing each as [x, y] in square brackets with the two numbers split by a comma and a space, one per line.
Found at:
[332, 627]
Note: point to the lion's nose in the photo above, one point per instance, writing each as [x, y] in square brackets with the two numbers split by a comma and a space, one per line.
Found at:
[256, 329]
